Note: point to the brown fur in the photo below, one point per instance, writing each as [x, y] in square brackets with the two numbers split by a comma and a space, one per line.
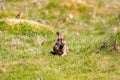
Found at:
[19, 15]
[60, 47]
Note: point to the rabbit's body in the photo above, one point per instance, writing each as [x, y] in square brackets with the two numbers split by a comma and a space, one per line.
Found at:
[60, 47]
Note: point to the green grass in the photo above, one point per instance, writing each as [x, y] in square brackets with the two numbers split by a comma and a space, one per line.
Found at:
[24, 56]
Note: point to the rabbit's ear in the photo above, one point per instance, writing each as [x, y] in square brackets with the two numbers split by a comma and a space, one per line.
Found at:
[58, 34]
[62, 34]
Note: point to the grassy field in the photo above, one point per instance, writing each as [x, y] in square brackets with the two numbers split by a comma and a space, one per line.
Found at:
[26, 43]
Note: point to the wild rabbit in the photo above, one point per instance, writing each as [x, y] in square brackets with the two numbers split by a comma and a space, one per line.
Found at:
[60, 47]
[19, 15]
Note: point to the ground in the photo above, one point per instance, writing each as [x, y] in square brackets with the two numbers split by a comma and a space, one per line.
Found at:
[26, 43]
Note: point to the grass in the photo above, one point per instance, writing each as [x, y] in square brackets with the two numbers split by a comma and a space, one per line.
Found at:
[25, 44]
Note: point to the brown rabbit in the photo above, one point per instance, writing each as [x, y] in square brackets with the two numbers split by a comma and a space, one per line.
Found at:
[60, 47]
[19, 15]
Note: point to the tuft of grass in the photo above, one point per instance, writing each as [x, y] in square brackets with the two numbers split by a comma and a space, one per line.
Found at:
[24, 27]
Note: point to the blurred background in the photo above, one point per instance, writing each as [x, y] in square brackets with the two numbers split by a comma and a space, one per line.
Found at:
[77, 13]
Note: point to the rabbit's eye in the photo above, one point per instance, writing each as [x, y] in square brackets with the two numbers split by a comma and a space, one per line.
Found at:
[60, 39]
